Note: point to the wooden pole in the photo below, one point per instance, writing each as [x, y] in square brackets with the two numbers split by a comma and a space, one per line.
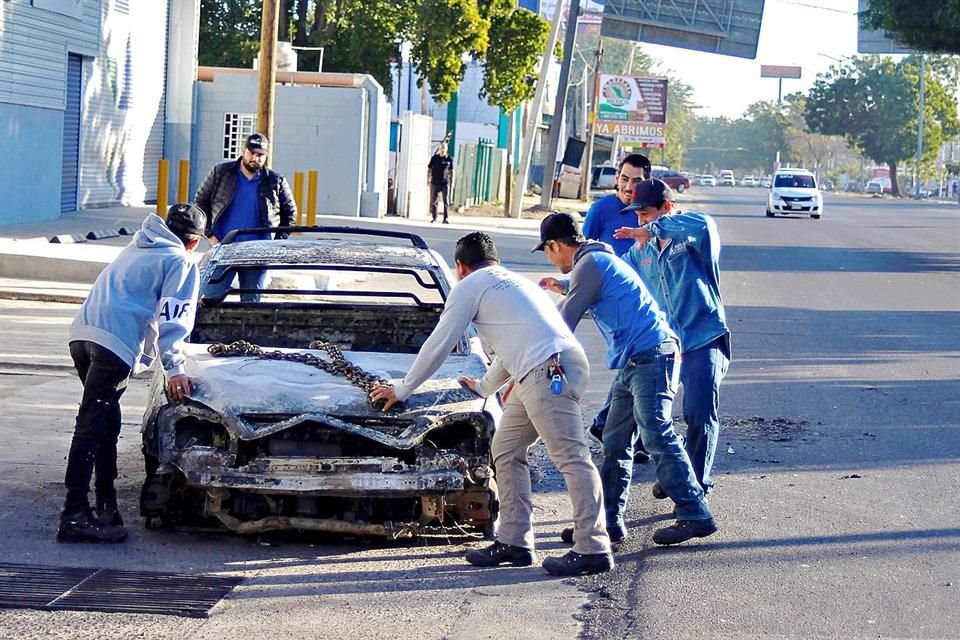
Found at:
[268, 71]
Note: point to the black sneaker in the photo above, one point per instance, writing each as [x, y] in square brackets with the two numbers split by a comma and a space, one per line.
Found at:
[615, 533]
[683, 530]
[107, 513]
[445, 221]
[658, 492]
[82, 526]
[499, 553]
[578, 564]
[641, 457]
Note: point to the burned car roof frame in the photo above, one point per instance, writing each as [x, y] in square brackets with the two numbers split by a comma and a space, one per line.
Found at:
[416, 240]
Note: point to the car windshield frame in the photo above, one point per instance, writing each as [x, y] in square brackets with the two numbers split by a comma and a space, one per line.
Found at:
[794, 181]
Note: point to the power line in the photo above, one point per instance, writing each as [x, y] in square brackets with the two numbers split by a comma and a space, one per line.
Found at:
[818, 6]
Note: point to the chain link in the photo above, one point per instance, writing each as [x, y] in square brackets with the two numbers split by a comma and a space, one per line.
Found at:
[338, 365]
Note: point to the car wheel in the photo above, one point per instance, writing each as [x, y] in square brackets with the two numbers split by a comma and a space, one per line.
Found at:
[769, 213]
[680, 188]
[815, 216]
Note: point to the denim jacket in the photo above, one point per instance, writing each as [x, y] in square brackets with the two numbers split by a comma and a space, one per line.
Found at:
[684, 277]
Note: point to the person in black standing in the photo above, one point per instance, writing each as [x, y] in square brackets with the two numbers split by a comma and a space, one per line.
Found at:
[440, 174]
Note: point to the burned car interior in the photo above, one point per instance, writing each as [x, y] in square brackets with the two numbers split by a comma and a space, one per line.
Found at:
[281, 436]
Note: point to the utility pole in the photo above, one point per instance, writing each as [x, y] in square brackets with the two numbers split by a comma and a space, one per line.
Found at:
[916, 164]
[533, 117]
[268, 70]
[594, 107]
[560, 103]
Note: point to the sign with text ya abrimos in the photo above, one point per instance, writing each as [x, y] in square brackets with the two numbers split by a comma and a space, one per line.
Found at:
[635, 108]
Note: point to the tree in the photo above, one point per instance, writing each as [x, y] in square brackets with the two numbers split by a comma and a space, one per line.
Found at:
[925, 25]
[872, 102]
[229, 33]
[517, 39]
[443, 33]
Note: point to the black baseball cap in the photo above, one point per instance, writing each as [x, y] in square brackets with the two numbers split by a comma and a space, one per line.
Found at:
[187, 218]
[649, 193]
[556, 226]
[257, 142]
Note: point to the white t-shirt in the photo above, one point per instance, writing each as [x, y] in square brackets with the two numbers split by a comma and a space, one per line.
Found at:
[515, 318]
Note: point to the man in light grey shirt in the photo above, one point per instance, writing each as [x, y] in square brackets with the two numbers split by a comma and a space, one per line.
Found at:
[535, 348]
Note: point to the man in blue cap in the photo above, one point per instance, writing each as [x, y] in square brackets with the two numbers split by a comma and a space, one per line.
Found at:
[642, 346]
[677, 254]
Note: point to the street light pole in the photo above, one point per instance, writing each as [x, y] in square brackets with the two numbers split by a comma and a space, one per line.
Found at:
[268, 70]
[916, 163]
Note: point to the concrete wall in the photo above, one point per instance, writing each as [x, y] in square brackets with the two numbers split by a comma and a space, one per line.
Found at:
[319, 128]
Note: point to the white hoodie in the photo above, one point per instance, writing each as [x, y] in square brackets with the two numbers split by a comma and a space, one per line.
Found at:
[146, 296]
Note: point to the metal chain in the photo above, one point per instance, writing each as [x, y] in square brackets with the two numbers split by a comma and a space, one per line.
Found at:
[337, 365]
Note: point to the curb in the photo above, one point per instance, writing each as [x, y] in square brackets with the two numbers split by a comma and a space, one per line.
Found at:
[42, 297]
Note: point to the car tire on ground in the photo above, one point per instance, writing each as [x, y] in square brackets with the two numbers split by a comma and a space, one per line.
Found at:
[680, 188]
[815, 216]
[769, 213]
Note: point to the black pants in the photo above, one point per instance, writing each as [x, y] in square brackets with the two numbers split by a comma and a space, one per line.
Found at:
[94, 447]
[436, 189]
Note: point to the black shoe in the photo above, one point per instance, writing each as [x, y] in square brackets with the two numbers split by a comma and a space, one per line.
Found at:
[432, 221]
[577, 564]
[445, 221]
[108, 514]
[658, 492]
[499, 553]
[683, 530]
[597, 432]
[641, 457]
[615, 533]
[82, 526]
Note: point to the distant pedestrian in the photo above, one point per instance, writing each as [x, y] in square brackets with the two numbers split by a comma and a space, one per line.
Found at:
[244, 194]
[440, 175]
[142, 304]
[604, 217]
[642, 346]
[535, 349]
[677, 254]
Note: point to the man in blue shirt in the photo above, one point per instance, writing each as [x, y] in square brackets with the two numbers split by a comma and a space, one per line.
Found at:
[642, 346]
[245, 194]
[604, 217]
[678, 256]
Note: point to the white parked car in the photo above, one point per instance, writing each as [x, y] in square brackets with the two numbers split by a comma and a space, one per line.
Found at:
[794, 191]
[708, 181]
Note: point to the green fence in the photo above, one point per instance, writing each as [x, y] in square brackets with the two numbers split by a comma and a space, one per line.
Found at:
[479, 170]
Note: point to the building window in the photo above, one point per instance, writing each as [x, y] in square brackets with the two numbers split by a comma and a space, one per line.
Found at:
[236, 128]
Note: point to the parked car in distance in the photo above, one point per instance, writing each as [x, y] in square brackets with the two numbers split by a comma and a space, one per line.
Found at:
[708, 181]
[604, 177]
[673, 179]
[748, 181]
[878, 186]
[765, 182]
[726, 179]
[794, 191]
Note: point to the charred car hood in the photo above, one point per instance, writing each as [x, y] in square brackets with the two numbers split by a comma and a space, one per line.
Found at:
[256, 397]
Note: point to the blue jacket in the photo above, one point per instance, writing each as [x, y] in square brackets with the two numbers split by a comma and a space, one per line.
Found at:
[685, 276]
[603, 218]
[626, 314]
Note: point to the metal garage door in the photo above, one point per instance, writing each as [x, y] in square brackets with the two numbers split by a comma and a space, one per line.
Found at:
[71, 135]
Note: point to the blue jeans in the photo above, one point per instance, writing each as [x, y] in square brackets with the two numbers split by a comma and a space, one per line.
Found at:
[701, 372]
[641, 405]
[249, 279]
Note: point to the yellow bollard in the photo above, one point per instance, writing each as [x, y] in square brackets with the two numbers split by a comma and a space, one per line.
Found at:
[183, 181]
[312, 199]
[298, 195]
[163, 171]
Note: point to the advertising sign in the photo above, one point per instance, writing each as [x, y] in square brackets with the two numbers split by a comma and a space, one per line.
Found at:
[635, 108]
[780, 71]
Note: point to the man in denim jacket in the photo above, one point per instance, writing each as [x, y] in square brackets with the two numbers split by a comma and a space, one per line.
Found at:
[678, 256]
[642, 346]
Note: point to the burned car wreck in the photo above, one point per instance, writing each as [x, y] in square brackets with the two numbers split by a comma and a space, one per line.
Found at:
[268, 442]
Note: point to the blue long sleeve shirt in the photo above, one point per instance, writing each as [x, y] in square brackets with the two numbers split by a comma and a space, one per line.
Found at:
[684, 276]
[604, 217]
[626, 314]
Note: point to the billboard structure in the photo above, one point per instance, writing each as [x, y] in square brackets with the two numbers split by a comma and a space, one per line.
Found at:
[634, 108]
[728, 27]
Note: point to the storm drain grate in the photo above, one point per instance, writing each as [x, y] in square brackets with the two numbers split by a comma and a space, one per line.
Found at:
[111, 591]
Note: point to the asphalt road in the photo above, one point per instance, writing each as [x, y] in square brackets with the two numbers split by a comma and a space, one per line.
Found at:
[837, 469]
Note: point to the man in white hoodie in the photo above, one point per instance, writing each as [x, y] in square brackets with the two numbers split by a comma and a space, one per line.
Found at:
[143, 300]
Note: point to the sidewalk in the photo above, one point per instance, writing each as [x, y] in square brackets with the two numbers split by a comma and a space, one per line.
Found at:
[32, 267]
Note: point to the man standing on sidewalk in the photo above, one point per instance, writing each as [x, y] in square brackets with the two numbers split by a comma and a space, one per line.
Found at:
[244, 194]
[144, 298]
[678, 256]
[532, 344]
[440, 175]
[641, 345]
